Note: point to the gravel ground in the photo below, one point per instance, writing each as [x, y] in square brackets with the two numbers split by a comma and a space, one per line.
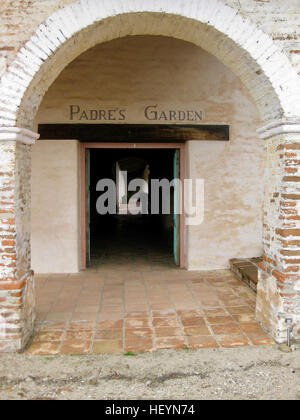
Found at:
[246, 373]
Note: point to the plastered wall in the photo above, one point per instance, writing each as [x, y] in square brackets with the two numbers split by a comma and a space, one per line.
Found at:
[55, 207]
[126, 76]
[232, 224]
[134, 72]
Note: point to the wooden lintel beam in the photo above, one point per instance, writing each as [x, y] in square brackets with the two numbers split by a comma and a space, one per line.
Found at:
[133, 132]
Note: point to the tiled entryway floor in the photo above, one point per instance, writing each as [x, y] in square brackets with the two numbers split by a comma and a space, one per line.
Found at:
[140, 307]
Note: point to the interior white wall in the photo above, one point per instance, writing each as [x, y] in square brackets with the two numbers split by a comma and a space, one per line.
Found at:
[55, 227]
[232, 223]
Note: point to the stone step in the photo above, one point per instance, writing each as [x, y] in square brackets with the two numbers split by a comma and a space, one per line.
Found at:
[246, 269]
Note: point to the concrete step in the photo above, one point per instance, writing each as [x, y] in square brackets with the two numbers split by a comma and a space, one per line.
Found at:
[246, 269]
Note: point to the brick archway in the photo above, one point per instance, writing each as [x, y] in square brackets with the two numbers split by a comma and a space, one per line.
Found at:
[220, 30]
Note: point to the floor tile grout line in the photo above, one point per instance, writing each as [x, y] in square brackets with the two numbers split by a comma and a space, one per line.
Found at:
[239, 296]
[69, 321]
[204, 315]
[51, 306]
[247, 305]
[231, 316]
[98, 313]
[57, 296]
[124, 315]
[178, 318]
[225, 309]
[154, 342]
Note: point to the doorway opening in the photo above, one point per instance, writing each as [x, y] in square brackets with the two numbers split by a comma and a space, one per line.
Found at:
[138, 233]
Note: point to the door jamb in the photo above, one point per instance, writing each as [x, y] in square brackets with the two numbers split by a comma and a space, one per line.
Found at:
[84, 146]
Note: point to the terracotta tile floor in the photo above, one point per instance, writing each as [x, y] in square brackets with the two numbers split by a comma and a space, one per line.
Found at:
[138, 307]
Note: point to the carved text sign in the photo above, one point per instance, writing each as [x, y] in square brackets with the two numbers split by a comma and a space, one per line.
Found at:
[149, 113]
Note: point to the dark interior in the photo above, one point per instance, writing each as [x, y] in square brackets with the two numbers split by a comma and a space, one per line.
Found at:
[148, 237]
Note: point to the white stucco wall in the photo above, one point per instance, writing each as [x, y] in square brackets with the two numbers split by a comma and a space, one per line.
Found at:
[55, 207]
[232, 225]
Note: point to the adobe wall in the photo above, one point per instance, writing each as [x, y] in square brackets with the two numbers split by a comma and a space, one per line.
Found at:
[55, 233]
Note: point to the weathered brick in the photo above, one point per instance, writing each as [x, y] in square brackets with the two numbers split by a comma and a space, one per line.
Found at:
[288, 232]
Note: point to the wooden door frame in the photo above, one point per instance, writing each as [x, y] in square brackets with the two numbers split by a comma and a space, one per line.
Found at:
[134, 146]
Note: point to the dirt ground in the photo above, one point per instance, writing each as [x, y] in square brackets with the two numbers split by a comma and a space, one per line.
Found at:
[246, 373]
